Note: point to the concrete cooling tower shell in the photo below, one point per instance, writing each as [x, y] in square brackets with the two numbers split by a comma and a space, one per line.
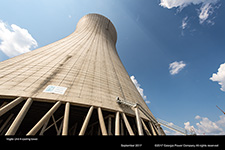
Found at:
[81, 70]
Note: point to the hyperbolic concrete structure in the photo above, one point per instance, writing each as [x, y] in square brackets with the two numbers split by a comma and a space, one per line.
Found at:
[75, 86]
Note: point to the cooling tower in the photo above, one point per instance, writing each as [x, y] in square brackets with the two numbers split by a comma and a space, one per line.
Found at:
[74, 86]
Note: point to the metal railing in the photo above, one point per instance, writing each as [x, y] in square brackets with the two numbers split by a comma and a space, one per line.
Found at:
[172, 126]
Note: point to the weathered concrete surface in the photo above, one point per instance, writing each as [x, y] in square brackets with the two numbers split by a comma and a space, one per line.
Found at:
[85, 62]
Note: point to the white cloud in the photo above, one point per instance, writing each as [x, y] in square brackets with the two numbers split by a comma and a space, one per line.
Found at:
[188, 127]
[140, 90]
[204, 127]
[221, 122]
[205, 10]
[183, 3]
[184, 23]
[176, 67]
[15, 40]
[170, 124]
[174, 3]
[220, 77]
[197, 117]
[207, 127]
[147, 102]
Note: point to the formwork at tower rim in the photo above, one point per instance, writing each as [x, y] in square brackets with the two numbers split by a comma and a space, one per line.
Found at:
[74, 86]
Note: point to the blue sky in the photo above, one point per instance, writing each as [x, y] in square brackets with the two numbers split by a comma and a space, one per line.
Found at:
[171, 48]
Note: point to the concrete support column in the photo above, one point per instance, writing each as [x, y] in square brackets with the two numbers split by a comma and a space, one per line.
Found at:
[86, 121]
[35, 129]
[101, 121]
[117, 124]
[156, 130]
[6, 122]
[152, 128]
[127, 124]
[10, 105]
[110, 125]
[66, 119]
[139, 126]
[121, 128]
[44, 127]
[19, 118]
[145, 128]
[159, 130]
[3, 104]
